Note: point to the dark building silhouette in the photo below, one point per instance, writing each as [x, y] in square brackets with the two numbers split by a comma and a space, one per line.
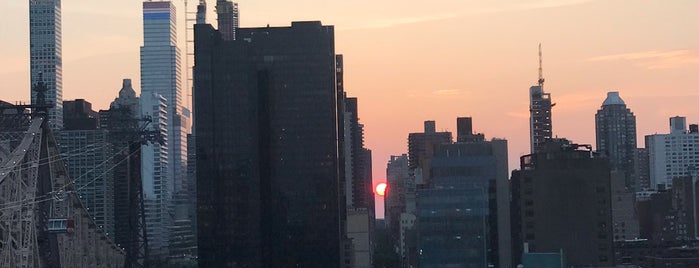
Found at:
[615, 129]
[267, 147]
[624, 216]
[78, 115]
[421, 147]
[654, 212]
[540, 123]
[464, 131]
[119, 121]
[641, 173]
[463, 215]
[561, 201]
[395, 199]
[362, 195]
[669, 214]
[227, 18]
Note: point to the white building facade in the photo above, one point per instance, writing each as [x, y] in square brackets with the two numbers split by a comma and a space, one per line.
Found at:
[674, 154]
[157, 182]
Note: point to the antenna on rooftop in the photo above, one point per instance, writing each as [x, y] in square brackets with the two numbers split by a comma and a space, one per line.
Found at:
[541, 71]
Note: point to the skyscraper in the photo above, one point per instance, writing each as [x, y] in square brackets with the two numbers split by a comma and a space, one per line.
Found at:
[267, 139]
[227, 12]
[615, 128]
[160, 77]
[540, 128]
[362, 194]
[160, 74]
[46, 58]
[121, 120]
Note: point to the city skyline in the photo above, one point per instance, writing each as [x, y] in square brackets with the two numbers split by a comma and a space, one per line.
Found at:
[456, 76]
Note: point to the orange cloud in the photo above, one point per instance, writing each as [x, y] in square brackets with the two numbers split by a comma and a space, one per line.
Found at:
[655, 59]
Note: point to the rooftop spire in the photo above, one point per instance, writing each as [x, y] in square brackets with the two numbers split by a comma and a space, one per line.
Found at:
[40, 89]
[541, 70]
[201, 12]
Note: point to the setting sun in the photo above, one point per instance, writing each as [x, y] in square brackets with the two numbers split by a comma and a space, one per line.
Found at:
[381, 189]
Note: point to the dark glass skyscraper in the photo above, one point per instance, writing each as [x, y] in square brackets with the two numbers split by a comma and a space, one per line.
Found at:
[267, 147]
[463, 216]
[615, 128]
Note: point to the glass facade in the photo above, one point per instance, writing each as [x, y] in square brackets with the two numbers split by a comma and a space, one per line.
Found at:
[268, 171]
[453, 213]
[46, 56]
[164, 172]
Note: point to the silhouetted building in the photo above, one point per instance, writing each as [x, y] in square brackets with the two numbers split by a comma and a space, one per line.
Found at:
[78, 115]
[655, 215]
[641, 173]
[267, 139]
[463, 215]
[684, 204]
[464, 131]
[394, 201]
[624, 218]
[361, 194]
[670, 215]
[561, 201]
[615, 127]
[421, 147]
[358, 181]
[228, 17]
[46, 56]
[119, 120]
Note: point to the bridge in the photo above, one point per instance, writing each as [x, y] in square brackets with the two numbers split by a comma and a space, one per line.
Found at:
[42, 220]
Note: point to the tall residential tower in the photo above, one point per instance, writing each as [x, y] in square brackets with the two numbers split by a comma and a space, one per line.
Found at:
[164, 172]
[227, 12]
[540, 113]
[615, 126]
[46, 59]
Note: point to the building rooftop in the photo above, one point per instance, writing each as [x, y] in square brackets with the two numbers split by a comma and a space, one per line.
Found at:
[613, 99]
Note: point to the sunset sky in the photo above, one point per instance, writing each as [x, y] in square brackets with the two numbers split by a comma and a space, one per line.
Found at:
[409, 61]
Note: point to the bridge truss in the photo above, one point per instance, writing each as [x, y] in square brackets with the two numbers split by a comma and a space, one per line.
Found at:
[42, 220]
